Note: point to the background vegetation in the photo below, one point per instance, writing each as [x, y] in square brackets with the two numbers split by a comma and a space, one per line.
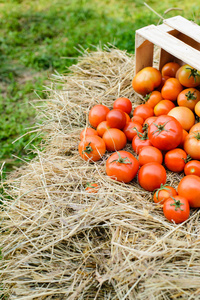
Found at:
[40, 37]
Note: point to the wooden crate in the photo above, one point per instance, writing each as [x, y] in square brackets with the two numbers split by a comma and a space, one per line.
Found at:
[177, 39]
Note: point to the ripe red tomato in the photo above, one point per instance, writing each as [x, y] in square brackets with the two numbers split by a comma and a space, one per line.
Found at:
[188, 97]
[148, 122]
[189, 187]
[144, 111]
[116, 118]
[151, 176]
[184, 115]
[170, 69]
[165, 133]
[139, 141]
[137, 119]
[115, 139]
[91, 187]
[131, 130]
[163, 107]
[122, 166]
[123, 104]
[153, 98]
[175, 160]
[102, 127]
[192, 144]
[146, 80]
[149, 154]
[176, 209]
[163, 193]
[192, 167]
[97, 114]
[188, 76]
[171, 89]
[128, 119]
[87, 131]
[92, 147]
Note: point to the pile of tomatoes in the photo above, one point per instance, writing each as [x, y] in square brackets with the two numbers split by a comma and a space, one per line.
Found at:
[164, 134]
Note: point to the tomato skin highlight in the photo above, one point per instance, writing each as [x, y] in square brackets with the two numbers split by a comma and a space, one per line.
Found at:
[176, 209]
[115, 139]
[122, 166]
[192, 168]
[175, 160]
[149, 154]
[97, 114]
[124, 104]
[92, 148]
[116, 118]
[151, 176]
[189, 187]
[163, 193]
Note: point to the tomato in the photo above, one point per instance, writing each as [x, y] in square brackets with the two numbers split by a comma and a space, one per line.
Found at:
[163, 107]
[149, 154]
[192, 144]
[184, 115]
[116, 118]
[192, 167]
[148, 121]
[131, 130]
[128, 119]
[175, 160]
[115, 139]
[123, 104]
[197, 109]
[91, 187]
[163, 80]
[171, 89]
[163, 193]
[139, 141]
[87, 131]
[176, 209]
[102, 127]
[143, 110]
[195, 127]
[137, 119]
[146, 80]
[188, 97]
[170, 69]
[151, 176]
[185, 133]
[189, 187]
[122, 166]
[92, 147]
[153, 98]
[165, 133]
[188, 76]
[97, 114]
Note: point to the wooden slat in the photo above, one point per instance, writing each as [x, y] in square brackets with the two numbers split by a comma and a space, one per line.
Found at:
[170, 44]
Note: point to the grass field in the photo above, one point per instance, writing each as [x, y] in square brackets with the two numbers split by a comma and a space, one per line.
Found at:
[38, 38]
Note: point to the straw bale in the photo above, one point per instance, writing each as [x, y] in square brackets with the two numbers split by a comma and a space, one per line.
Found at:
[60, 242]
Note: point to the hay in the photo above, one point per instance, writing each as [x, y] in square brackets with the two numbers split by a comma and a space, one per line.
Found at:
[58, 241]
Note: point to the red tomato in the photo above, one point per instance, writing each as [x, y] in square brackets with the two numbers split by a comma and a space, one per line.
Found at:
[97, 114]
[185, 133]
[163, 193]
[153, 98]
[170, 69]
[184, 115]
[188, 97]
[137, 119]
[123, 104]
[148, 122]
[188, 76]
[102, 127]
[91, 187]
[149, 154]
[175, 160]
[92, 147]
[176, 209]
[163, 107]
[116, 118]
[87, 131]
[192, 167]
[192, 144]
[151, 176]
[165, 133]
[131, 130]
[115, 139]
[143, 110]
[139, 141]
[128, 119]
[122, 166]
[146, 80]
[171, 89]
[189, 187]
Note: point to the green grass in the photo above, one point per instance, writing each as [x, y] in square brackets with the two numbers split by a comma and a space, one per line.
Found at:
[37, 36]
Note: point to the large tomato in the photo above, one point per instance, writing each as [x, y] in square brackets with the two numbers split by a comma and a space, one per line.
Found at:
[146, 80]
[170, 69]
[176, 209]
[131, 130]
[188, 97]
[116, 118]
[115, 139]
[192, 167]
[97, 114]
[122, 166]
[188, 76]
[189, 187]
[171, 89]
[143, 110]
[175, 160]
[92, 147]
[150, 154]
[151, 176]
[165, 133]
[163, 107]
[123, 104]
[192, 144]
[184, 115]
[163, 193]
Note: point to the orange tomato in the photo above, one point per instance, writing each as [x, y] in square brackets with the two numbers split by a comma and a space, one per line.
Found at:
[123, 104]
[92, 148]
[192, 168]
[149, 154]
[195, 127]
[163, 193]
[163, 107]
[189, 187]
[192, 144]
[97, 114]
[184, 115]
[102, 127]
[197, 109]
[115, 139]
[171, 89]
[131, 130]
[87, 131]
[188, 97]
[144, 111]
[137, 119]
[153, 98]
[170, 69]
[185, 133]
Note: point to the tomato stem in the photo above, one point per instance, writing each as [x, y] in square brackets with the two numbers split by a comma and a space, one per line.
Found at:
[122, 160]
[142, 136]
[147, 96]
[88, 149]
[187, 159]
[177, 204]
[190, 96]
[160, 127]
[197, 135]
[162, 187]
[193, 73]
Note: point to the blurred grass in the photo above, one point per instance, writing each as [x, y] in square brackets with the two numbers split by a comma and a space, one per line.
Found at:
[35, 36]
